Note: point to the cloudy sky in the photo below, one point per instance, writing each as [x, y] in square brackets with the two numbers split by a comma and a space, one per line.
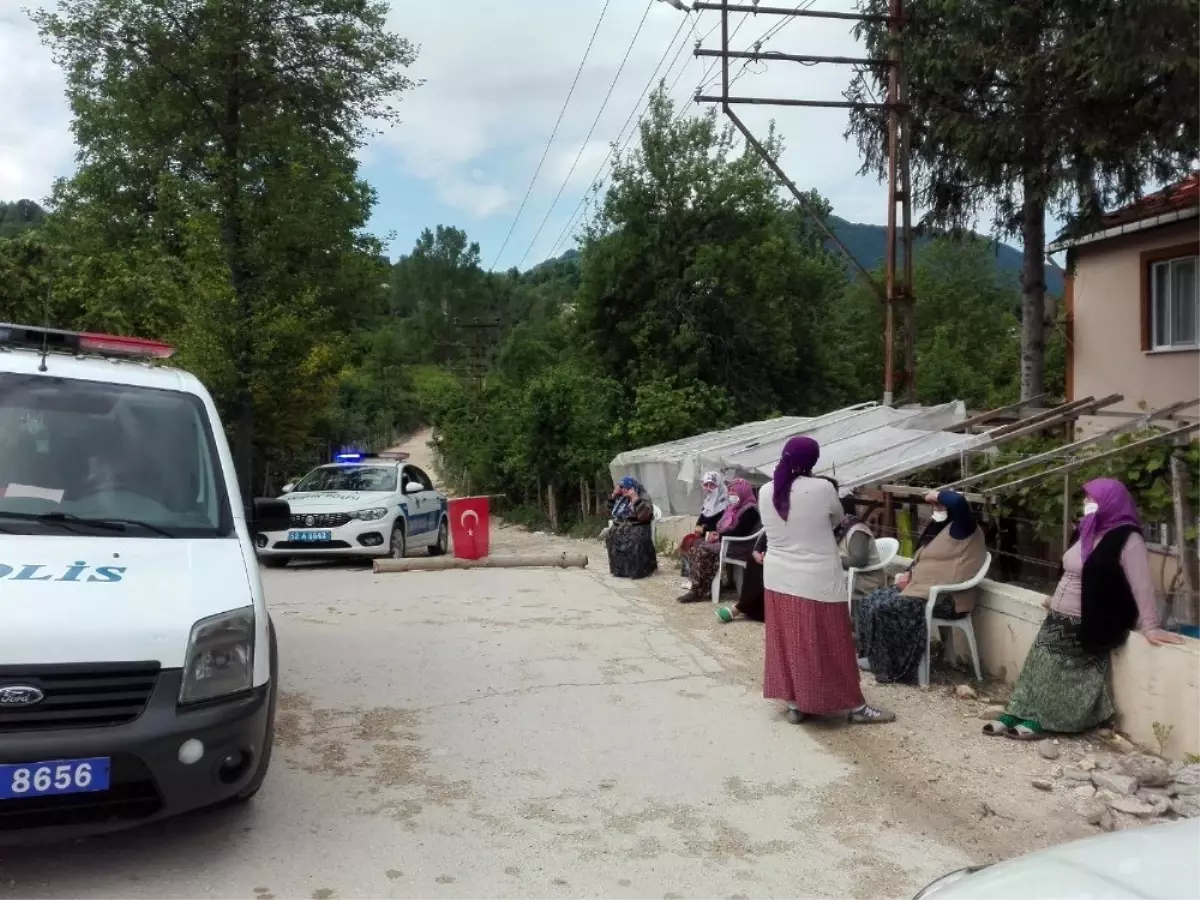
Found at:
[494, 83]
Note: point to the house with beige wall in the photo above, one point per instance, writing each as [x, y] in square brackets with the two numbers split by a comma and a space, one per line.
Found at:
[1132, 300]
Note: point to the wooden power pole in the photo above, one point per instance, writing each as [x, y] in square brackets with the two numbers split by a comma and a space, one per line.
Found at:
[896, 292]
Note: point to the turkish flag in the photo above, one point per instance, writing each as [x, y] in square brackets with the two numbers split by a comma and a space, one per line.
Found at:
[470, 527]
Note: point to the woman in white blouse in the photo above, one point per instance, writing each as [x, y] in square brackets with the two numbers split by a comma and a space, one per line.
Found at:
[811, 662]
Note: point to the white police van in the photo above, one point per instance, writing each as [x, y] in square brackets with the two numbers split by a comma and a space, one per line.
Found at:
[360, 505]
[138, 673]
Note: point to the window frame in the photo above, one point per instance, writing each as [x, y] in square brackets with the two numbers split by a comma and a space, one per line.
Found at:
[1150, 259]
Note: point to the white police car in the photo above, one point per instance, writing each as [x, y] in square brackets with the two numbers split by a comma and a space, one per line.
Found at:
[137, 659]
[361, 505]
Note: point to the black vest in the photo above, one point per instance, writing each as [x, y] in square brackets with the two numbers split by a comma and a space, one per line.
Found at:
[1108, 611]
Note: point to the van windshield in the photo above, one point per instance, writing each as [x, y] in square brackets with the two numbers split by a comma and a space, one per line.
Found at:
[107, 460]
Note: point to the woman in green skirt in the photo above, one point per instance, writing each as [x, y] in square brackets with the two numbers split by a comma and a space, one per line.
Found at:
[1105, 592]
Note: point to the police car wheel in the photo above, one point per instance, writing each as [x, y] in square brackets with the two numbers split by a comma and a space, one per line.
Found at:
[443, 541]
[399, 545]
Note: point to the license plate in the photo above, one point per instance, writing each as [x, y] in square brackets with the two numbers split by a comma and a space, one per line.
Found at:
[309, 537]
[59, 776]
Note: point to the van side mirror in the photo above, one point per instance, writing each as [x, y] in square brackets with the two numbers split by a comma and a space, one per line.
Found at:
[269, 514]
[414, 487]
[288, 488]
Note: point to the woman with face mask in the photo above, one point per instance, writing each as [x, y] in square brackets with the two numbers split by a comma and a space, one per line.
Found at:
[892, 634]
[740, 519]
[1106, 591]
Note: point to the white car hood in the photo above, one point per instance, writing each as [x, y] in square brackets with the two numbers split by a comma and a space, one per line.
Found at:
[136, 600]
[335, 501]
[1156, 862]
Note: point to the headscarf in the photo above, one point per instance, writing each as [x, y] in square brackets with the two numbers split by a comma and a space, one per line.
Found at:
[744, 491]
[800, 454]
[716, 501]
[623, 507]
[1115, 508]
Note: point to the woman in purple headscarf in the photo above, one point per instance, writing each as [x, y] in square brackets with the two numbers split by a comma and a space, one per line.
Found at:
[810, 658]
[1105, 592]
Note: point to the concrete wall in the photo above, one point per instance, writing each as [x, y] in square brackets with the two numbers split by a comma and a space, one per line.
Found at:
[1104, 313]
[1150, 684]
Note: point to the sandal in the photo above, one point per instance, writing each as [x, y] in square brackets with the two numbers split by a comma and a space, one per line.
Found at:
[689, 597]
[869, 715]
[794, 716]
[1027, 731]
[1001, 725]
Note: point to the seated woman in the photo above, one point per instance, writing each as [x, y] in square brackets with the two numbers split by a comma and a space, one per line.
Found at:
[752, 597]
[740, 520]
[1105, 591]
[716, 501]
[856, 547]
[630, 543]
[892, 637]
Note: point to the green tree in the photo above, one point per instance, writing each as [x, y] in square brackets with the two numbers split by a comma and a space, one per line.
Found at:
[967, 330]
[246, 114]
[696, 269]
[1037, 106]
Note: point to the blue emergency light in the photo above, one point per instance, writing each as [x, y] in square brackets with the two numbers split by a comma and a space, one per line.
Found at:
[349, 456]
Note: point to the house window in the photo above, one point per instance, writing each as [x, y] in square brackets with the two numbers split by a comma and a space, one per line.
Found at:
[1174, 304]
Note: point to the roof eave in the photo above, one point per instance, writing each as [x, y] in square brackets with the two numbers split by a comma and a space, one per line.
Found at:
[1167, 218]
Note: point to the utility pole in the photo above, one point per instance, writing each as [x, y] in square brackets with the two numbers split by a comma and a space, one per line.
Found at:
[898, 263]
[482, 332]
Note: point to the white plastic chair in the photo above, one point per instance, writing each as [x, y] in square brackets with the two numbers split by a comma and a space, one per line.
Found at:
[654, 525]
[887, 548]
[964, 624]
[724, 560]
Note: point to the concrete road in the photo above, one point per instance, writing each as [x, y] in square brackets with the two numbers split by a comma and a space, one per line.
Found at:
[508, 733]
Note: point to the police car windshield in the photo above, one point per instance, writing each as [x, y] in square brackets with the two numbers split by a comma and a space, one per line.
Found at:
[107, 460]
[349, 478]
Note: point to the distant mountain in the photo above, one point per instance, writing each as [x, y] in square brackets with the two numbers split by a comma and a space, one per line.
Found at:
[19, 216]
[868, 243]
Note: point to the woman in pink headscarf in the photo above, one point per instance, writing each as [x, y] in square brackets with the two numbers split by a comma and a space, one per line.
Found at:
[810, 659]
[1105, 592]
[740, 519]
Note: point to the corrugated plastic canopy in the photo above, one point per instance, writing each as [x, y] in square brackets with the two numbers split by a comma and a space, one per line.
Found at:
[861, 446]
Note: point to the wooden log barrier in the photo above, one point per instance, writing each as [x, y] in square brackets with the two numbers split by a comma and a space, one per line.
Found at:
[442, 563]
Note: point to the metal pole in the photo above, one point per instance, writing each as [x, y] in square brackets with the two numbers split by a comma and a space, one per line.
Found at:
[725, 55]
[890, 286]
[904, 115]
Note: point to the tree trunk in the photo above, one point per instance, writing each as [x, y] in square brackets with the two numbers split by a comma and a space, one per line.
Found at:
[552, 506]
[1033, 291]
[584, 500]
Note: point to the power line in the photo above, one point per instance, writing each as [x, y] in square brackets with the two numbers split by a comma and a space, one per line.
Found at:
[600, 178]
[595, 179]
[554, 131]
[596, 121]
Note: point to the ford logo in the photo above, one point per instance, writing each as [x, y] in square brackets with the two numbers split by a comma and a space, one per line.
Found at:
[20, 695]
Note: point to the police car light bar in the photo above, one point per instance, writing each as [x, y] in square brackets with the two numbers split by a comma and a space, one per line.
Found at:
[348, 457]
[83, 342]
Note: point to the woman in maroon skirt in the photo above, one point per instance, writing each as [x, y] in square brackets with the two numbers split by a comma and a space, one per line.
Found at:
[810, 658]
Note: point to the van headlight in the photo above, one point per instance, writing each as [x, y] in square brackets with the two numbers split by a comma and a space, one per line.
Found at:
[371, 515]
[220, 657]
